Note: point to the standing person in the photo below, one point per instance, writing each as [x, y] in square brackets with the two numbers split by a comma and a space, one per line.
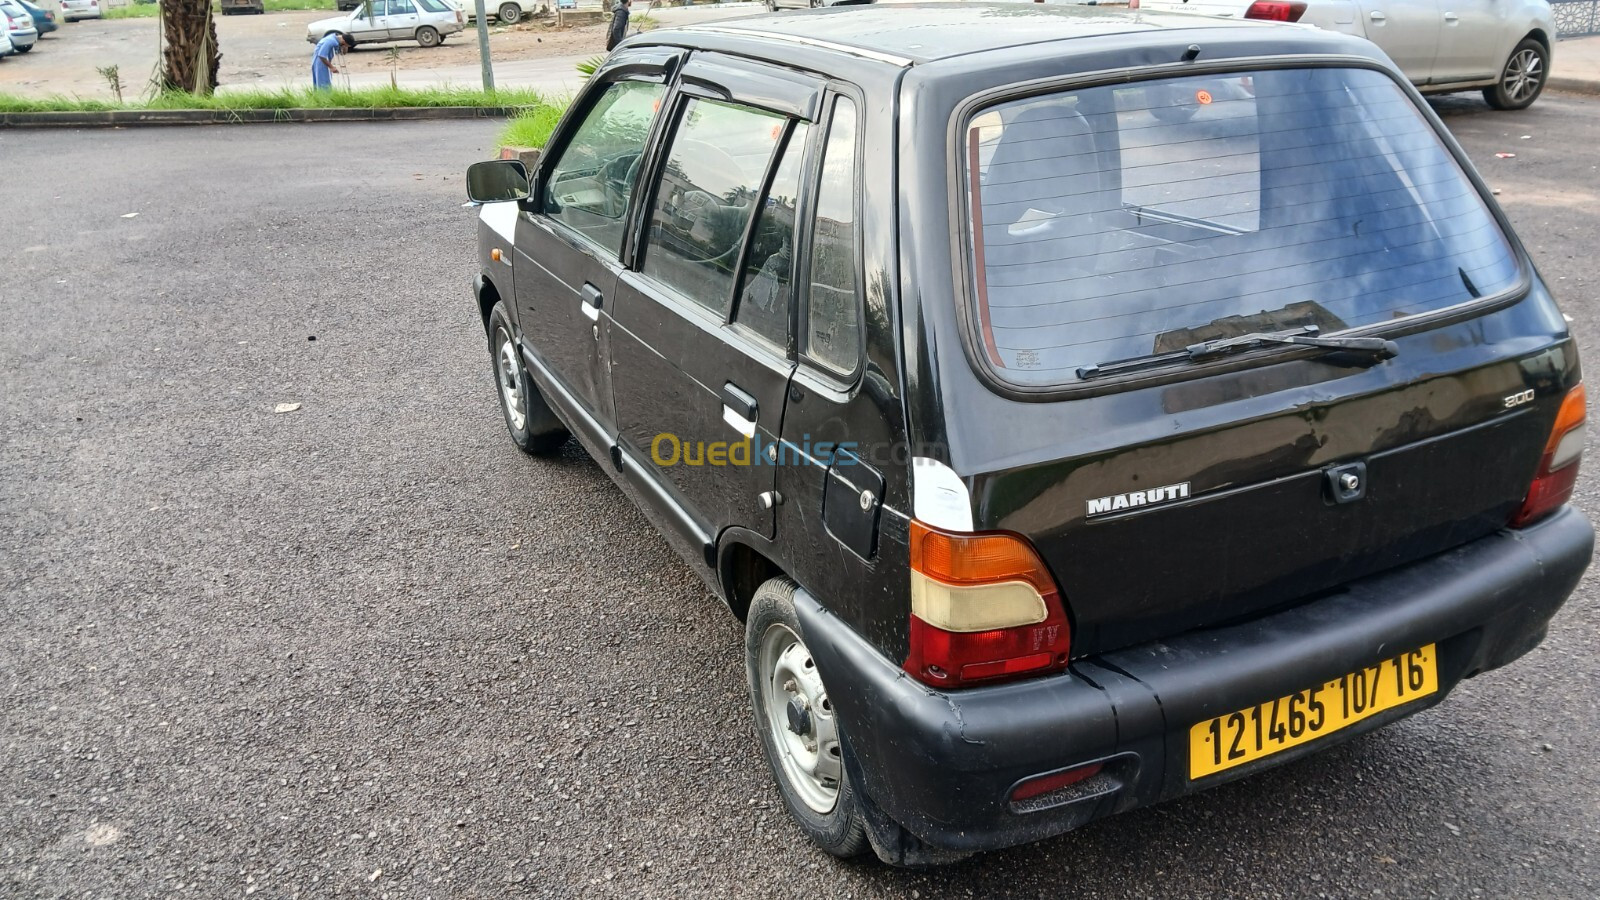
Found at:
[619, 24]
[322, 59]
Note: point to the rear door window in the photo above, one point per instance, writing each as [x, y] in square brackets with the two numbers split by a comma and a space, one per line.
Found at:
[1116, 222]
[765, 293]
[706, 198]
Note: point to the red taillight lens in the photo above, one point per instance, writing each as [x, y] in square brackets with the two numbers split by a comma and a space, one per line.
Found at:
[1133, 4]
[983, 608]
[1558, 467]
[1276, 10]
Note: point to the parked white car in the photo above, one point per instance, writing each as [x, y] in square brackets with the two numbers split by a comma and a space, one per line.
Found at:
[775, 5]
[73, 10]
[6, 49]
[1501, 46]
[508, 12]
[382, 21]
[18, 23]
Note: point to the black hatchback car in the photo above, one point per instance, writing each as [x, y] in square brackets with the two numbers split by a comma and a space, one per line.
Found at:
[1081, 407]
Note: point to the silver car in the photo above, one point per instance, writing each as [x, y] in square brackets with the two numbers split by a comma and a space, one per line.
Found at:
[73, 10]
[382, 21]
[19, 26]
[1500, 46]
[775, 5]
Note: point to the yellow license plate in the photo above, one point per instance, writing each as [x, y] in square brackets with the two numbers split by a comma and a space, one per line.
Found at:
[1250, 734]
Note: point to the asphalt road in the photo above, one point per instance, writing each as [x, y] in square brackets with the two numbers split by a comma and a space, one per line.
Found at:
[367, 649]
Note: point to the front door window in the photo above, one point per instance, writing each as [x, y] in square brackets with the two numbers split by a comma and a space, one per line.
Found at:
[589, 187]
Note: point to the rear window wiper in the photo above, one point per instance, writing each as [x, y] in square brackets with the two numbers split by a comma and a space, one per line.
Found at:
[1375, 348]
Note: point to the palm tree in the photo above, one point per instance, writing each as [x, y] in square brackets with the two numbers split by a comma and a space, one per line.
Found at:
[189, 56]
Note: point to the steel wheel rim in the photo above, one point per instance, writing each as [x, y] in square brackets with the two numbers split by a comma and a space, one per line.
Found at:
[513, 390]
[809, 756]
[1524, 72]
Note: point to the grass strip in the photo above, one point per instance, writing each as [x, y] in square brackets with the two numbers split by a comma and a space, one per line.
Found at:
[379, 97]
[531, 128]
[151, 10]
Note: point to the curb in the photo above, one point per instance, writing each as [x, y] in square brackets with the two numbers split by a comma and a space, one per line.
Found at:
[1573, 85]
[125, 117]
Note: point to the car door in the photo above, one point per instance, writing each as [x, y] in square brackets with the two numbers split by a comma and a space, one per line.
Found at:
[702, 352]
[1407, 30]
[1471, 37]
[367, 24]
[401, 22]
[571, 237]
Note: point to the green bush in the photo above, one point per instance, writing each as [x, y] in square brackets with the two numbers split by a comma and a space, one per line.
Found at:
[532, 127]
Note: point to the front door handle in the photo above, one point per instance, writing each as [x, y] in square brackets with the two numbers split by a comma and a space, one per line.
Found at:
[739, 409]
[1451, 17]
[592, 301]
[1377, 16]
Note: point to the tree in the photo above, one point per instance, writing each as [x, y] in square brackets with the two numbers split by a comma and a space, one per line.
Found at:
[189, 56]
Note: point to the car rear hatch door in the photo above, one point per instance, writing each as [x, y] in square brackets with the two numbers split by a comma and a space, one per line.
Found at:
[1172, 479]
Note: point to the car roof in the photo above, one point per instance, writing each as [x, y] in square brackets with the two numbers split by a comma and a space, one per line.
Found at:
[912, 33]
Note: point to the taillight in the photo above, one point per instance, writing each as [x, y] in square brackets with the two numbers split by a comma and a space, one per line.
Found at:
[1276, 10]
[983, 608]
[1558, 467]
[1133, 4]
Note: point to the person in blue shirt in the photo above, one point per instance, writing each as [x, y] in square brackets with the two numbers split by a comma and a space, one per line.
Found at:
[322, 59]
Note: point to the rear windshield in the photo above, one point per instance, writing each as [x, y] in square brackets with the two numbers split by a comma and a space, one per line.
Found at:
[1120, 221]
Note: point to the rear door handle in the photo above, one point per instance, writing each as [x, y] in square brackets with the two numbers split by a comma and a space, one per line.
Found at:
[1451, 17]
[592, 301]
[1377, 16]
[739, 409]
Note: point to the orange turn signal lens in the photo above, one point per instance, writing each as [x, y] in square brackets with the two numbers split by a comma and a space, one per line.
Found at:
[976, 559]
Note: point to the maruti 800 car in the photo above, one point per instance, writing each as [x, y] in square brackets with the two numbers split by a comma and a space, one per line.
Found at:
[1060, 458]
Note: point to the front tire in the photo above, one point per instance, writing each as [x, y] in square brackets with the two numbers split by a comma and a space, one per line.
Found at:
[795, 720]
[1522, 78]
[509, 14]
[428, 36]
[533, 426]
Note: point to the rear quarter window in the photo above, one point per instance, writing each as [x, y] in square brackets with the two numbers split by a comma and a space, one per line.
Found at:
[1121, 221]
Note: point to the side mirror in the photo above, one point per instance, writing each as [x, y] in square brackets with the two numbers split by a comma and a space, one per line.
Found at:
[497, 180]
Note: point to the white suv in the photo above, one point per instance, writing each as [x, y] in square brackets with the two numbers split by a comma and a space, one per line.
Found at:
[1501, 46]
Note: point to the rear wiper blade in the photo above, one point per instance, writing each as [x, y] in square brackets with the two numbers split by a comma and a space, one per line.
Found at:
[1375, 348]
[1306, 336]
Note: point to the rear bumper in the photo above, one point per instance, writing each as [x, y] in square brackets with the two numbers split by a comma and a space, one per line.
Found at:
[943, 764]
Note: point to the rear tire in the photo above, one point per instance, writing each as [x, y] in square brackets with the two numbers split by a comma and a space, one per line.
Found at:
[27, 49]
[795, 721]
[428, 36]
[533, 426]
[509, 14]
[1522, 78]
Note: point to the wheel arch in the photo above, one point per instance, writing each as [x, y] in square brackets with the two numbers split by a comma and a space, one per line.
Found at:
[741, 569]
[488, 296]
[1538, 34]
